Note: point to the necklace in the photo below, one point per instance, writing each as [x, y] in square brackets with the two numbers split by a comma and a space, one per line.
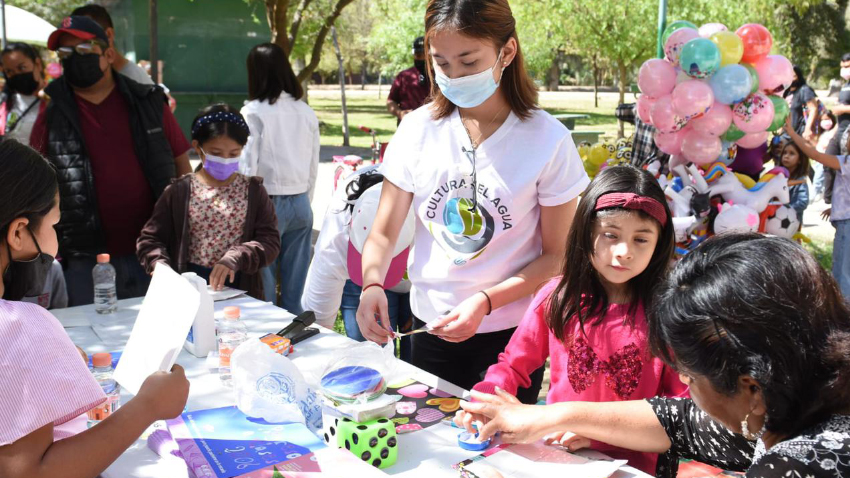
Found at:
[474, 142]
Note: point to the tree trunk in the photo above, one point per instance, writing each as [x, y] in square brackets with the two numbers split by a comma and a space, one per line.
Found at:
[621, 68]
[299, 66]
[276, 12]
[554, 74]
[341, 89]
[380, 77]
[363, 75]
[595, 81]
[316, 55]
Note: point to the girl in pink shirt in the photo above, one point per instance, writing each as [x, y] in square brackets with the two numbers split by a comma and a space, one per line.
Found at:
[590, 321]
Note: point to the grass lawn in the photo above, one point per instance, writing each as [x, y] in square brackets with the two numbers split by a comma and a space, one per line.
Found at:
[366, 109]
[822, 250]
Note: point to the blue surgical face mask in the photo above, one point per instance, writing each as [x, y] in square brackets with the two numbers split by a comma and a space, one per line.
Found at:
[469, 91]
[220, 168]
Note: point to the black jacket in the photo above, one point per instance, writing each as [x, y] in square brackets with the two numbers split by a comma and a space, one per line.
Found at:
[80, 231]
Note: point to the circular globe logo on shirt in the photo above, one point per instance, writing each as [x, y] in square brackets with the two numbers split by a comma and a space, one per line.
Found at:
[466, 231]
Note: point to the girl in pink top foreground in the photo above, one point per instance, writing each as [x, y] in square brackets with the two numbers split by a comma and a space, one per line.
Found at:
[44, 382]
[591, 320]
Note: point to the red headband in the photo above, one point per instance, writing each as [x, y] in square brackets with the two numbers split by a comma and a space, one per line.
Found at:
[633, 201]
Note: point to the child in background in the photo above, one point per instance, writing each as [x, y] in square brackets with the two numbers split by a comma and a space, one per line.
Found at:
[591, 321]
[215, 222]
[839, 215]
[797, 163]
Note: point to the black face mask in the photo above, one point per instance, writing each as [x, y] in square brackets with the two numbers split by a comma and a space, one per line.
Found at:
[26, 278]
[82, 71]
[23, 83]
[420, 65]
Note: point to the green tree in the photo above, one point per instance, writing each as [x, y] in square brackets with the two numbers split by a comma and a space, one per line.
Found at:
[51, 10]
[301, 27]
[397, 23]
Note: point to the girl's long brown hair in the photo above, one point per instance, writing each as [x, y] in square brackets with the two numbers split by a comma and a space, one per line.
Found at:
[487, 20]
[580, 294]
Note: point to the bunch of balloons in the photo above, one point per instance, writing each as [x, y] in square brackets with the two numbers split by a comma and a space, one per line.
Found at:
[713, 89]
[602, 155]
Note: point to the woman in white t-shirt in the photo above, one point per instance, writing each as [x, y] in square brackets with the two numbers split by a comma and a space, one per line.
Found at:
[479, 252]
[20, 103]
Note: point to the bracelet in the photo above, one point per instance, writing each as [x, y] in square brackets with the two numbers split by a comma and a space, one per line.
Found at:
[489, 302]
[374, 284]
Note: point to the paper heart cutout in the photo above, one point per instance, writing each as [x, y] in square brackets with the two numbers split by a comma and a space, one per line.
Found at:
[405, 408]
[410, 427]
[439, 393]
[428, 415]
[447, 405]
[401, 383]
[414, 391]
[401, 420]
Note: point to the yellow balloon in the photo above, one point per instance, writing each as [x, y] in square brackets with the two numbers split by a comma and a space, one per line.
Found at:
[731, 47]
[598, 155]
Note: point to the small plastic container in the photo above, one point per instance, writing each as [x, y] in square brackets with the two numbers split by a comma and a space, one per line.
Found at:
[102, 370]
[231, 333]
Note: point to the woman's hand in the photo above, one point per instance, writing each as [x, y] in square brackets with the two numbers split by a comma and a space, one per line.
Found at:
[518, 423]
[219, 274]
[373, 316]
[826, 213]
[462, 322]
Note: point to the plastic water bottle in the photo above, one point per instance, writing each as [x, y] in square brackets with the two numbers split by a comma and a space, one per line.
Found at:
[102, 370]
[105, 295]
[231, 333]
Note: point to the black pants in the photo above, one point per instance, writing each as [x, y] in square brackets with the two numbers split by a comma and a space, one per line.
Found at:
[465, 364]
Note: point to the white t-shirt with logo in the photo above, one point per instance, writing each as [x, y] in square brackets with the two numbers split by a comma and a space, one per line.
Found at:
[522, 166]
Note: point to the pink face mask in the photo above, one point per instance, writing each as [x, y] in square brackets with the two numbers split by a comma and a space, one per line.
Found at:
[845, 73]
[826, 124]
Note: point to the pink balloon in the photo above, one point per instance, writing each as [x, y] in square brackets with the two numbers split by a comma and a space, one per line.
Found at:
[775, 74]
[644, 106]
[692, 99]
[754, 114]
[681, 76]
[664, 118]
[656, 78]
[752, 140]
[709, 29]
[675, 42]
[670, 143]
[716, 121]
[700, 147]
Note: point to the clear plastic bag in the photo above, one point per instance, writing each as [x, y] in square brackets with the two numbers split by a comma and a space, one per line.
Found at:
[357, 374]
[269, 386]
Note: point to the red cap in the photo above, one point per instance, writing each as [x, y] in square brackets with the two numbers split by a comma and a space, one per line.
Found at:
[103, 359]
[102, 258]
[232, 312]
[78, 26]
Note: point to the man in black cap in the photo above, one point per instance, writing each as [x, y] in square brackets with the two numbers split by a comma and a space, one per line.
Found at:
[116, 146]
[411, 87]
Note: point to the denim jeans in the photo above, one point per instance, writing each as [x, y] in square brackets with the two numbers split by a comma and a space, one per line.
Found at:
[295, 225]
[818, 181]
[131, 280]
[399, 310]
[841, 256]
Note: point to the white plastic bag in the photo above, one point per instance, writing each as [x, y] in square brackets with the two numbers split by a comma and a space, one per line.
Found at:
[269, 386]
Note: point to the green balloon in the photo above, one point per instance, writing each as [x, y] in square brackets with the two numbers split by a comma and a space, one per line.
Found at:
[754, 75]
[780, 112]
[732, 134]
[675, 26]
[700, 58]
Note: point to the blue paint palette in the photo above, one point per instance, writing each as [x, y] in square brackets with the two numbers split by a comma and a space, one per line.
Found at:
[468, 441]
[352, 383]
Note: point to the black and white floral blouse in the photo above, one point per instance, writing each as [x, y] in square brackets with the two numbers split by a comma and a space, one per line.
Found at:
[822, 451]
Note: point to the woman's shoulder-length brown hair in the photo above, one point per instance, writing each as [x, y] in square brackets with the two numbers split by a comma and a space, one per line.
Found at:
[487, 20]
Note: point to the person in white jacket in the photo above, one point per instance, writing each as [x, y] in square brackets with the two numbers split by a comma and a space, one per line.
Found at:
[283, 150]
[329, 288]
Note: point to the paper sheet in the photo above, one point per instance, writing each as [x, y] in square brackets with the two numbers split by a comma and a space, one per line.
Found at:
[224, 294]
[534, 460]
[160, 330]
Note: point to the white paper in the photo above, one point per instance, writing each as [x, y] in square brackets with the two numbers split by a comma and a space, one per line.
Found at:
[537, 459]
[225, 293]
[158, 334]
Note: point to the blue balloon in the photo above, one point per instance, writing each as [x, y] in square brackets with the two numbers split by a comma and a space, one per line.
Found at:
[731, 84]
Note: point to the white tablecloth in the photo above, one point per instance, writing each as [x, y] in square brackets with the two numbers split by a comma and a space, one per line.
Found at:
[430, 452]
